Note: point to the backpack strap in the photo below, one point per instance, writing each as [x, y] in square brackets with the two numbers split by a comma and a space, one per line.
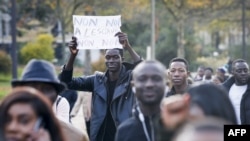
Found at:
[58, 100]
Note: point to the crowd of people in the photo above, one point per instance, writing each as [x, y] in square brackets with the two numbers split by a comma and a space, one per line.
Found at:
[140, 101]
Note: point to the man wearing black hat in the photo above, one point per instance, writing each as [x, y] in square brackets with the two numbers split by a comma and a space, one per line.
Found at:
[41, 75]
[112, 97]
[221, 72]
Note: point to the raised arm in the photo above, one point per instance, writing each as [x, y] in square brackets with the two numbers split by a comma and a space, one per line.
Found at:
[123, 39]
[73, 53]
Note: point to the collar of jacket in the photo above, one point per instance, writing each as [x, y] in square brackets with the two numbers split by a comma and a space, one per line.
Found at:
[121, 75]
[125, 66]
[173, 92]
[231, 80]
[135, 112]
[124, 77]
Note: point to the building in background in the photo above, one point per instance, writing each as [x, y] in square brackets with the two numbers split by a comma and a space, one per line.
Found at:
[5, 37]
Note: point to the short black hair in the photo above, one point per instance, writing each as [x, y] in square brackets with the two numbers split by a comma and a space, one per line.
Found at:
[179, 59]
[238, 61]
[220, 106]
[202, 67]
[121, 50]
[150, 62]
[209, 68]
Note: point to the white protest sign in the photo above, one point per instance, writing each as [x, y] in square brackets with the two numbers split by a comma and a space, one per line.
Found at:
[97, 32]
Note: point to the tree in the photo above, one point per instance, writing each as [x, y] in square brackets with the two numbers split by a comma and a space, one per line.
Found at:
[187, 12]
[5, 65]
[64, 10]
[36, 9]
[41, 48]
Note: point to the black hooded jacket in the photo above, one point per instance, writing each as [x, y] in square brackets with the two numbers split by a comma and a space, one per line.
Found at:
[245, 100]
[132, 129]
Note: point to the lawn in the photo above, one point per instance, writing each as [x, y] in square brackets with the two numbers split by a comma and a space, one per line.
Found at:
[5, 82]
[5, 79]
[5, 86]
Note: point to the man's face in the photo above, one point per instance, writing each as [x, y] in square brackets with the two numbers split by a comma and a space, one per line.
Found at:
[241, 73]
[201, 72]
[150, 83]
[113, 60]
[178, 73]
[219, 73]
[208, 74]
[47, 89]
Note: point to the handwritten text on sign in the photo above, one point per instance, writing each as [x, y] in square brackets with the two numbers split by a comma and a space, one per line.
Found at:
[97, 32]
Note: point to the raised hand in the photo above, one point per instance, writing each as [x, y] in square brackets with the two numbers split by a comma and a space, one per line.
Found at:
[123, 39]
[73, 45]
[174, 110]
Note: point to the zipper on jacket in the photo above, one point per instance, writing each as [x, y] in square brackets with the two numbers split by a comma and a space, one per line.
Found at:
[109, 111]
[152, 129]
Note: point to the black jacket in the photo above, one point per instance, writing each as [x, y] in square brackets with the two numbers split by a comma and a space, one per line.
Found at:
[245, 100]
[132, 128]
[122, 102]
[173, 92]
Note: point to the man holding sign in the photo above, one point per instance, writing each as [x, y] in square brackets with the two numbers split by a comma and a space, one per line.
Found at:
[112, 97]
[97, 32]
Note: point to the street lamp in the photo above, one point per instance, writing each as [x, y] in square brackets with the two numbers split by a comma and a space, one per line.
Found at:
[153, 29]
[243, 30]
[13, 36]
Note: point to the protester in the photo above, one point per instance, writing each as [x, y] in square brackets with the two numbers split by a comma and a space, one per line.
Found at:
[221, 72]
[217, 80]
[20, 112]
[204, 100]
[212, 100]
[71, 97]
[178, 74]
[207, 129]
[112, 98]
[149, 84]
[200, 74]
[81, 112]
[238, 87]
[208, 76]
[41, 75]
[229, 66]
[61, 108]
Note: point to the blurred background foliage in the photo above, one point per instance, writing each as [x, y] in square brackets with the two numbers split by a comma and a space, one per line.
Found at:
[203, 32]
[5, 65]
[41, 48]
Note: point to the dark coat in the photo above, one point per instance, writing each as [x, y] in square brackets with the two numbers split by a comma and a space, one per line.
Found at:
[132, 128]
[173, 92]
[245, 100]
[122, 102]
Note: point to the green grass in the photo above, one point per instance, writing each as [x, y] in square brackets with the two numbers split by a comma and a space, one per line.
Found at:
[5, 82]
[5, 88]
[5, 79]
